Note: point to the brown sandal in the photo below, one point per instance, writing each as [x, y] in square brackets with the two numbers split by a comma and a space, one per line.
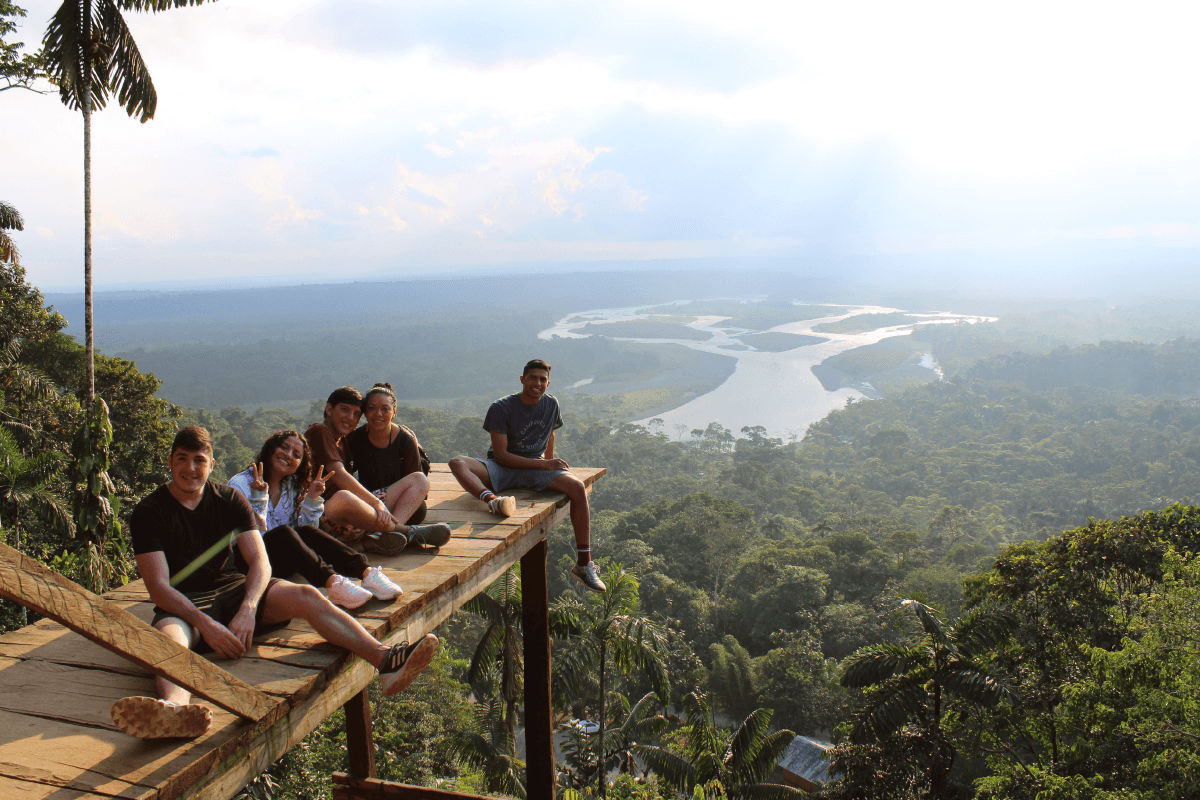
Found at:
[151, 718]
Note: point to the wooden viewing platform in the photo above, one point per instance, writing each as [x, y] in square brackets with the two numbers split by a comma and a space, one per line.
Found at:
[57, 739]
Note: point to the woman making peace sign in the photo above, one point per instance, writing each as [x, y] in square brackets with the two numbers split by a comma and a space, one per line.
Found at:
[286, 498]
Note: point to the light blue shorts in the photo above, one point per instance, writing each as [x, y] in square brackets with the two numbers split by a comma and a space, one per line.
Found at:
[503, 477]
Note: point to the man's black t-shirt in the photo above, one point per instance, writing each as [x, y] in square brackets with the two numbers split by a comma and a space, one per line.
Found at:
[160, 522]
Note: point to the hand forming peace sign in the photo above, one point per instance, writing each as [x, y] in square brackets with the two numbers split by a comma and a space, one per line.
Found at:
[257, 484]
[317, 487]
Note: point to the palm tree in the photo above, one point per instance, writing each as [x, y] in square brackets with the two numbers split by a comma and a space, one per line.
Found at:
[26, 381]
[492, 751]
[10, 220]
[89, 52]
[24, 487]
[641, 723]
[499, 650]
[739, 761]
[604, 625]
[907, 684]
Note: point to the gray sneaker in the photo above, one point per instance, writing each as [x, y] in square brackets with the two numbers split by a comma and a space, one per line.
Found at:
[588, 577]
[384, 543]
[434, 534]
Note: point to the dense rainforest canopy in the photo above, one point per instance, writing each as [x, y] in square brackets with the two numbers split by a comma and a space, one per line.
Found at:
[1012, 530]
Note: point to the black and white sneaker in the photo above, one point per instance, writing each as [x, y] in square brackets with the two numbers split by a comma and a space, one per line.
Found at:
[588, 577]
[404, 662]
[434, 534]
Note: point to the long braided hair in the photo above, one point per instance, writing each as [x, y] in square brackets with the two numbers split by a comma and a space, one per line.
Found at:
[302, 477]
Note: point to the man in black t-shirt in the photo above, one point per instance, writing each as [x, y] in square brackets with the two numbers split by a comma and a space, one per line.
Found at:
[183, 535]
[522, 428]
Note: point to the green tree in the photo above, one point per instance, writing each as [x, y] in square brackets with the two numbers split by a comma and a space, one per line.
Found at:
[89, 54]
[26, 487]
[10, 220]
[604, 627]
[910, 684]
[491, 751]
[739, 761]
[18, 70]
[499, 652]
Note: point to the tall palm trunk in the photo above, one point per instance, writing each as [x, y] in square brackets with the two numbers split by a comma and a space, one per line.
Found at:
[86, 57]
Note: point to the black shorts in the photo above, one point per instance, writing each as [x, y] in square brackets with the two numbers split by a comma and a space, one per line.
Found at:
[222, 604]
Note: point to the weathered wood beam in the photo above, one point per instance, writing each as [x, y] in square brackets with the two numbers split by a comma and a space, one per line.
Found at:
[25, 581]
[539, 717]
[224, 775]
[360, 736]
[348, 787]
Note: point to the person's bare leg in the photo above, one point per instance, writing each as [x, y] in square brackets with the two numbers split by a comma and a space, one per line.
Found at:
[471, 474]
[285, 601]
[179, 631]
[405, 495]
[581, 515]
[347, 508]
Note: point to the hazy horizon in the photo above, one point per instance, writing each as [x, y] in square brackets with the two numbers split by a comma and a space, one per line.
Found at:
[301, 142]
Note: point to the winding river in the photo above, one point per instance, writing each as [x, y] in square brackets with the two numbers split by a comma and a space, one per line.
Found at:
[775, 390]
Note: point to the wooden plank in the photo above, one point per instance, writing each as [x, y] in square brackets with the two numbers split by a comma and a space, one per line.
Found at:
[59, 756]
[27, 582]
[31, 790]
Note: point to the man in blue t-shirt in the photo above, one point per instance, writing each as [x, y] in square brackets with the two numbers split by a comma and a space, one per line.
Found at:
[522, 457]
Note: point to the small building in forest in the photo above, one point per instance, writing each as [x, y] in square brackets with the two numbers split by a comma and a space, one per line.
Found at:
[805, 765]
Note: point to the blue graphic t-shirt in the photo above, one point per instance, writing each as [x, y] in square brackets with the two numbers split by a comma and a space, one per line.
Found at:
[528, 428]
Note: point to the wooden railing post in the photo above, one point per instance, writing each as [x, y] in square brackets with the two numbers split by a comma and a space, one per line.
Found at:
[539, 721]
[360, 736]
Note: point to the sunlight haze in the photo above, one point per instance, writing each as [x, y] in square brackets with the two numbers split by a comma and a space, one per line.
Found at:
[318, 140]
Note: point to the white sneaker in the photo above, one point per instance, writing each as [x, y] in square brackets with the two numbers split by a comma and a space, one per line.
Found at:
[346, 593]
[502, 506]
[380, 585]
[588, 577]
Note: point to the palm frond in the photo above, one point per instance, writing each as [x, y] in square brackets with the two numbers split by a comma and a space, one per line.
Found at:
[983, 629]
[483, 660]
[127, 73]
[760, 765]
[929, 621]
[748, 738]
[873, 666]
[154, 6]
[35, 383]
[676, 771]
[641, 644]
[10, 218]
[67, 54]
[890, 706]
[643, 722]
[486, 606]
[8, 249]
[972, 683]
[764, 791]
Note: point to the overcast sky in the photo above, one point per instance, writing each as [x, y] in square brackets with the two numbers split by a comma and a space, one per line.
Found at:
[335, 139]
